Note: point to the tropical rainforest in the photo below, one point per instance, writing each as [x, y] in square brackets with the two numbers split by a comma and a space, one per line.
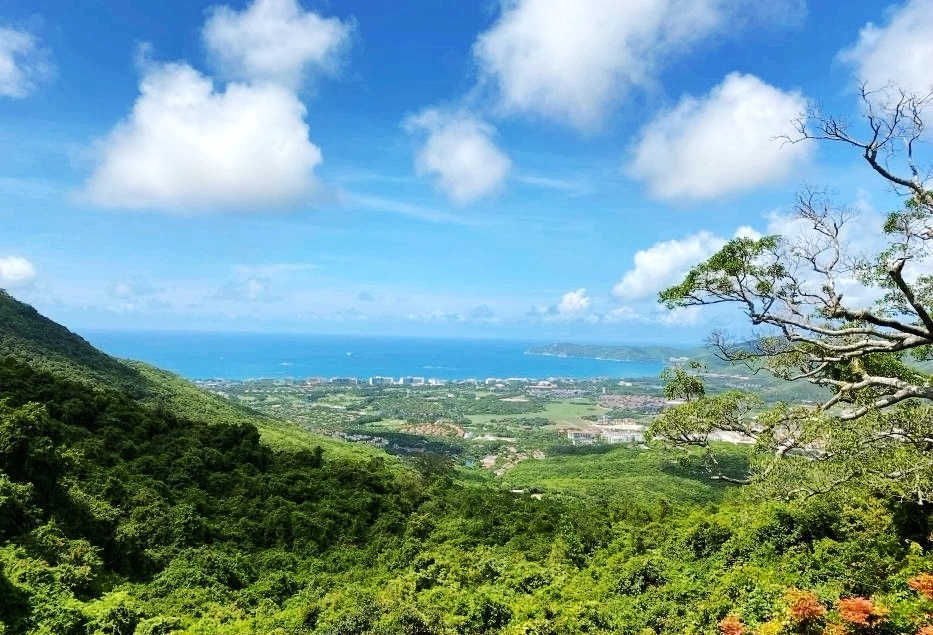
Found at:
[133, 502]
[119, 514]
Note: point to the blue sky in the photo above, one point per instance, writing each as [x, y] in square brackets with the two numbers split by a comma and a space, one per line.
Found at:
[535, 168]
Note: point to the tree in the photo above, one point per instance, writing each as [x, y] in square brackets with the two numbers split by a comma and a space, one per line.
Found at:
[859, 325]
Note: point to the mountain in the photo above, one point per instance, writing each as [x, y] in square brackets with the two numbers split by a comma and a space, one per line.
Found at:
[618, 353]
[37, 341]
[113, 511]
[118, 515]
[718, 374]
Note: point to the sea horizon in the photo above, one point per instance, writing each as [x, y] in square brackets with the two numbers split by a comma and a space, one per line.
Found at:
[201, 355]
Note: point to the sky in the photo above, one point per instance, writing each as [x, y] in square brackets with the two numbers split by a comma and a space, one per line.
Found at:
[525, 168]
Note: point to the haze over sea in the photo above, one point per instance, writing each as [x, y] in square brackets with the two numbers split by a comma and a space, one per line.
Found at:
[250, 356]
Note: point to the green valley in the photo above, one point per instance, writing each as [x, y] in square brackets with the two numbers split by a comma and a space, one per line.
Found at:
[122, 513]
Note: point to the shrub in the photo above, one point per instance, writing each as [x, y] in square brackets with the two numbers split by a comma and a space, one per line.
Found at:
[922, 584]
[731, 625]
[804, 606]
[861, 611]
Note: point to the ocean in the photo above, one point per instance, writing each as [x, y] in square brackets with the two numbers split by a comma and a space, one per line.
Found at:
[252, 356]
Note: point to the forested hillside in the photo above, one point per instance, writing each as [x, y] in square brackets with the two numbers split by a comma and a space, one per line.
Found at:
[117, 516]
[38, 341]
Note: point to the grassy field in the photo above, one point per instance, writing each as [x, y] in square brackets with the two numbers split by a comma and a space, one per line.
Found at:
[560, 412]
[285, 436]
[619, 473]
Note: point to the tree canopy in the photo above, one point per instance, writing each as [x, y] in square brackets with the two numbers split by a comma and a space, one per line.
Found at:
[857, 323]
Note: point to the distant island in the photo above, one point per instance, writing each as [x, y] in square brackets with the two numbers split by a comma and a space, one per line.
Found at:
[615, 353]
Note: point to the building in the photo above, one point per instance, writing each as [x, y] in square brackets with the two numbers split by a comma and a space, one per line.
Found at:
[557, 393]
[623, 436]
[378, 380]
[412, 381]
[583, 437]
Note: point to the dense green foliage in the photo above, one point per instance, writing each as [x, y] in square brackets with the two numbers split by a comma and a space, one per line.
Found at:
[858, 325]
[397, 404]
[120, 518]
[34, 339]
[120, 514]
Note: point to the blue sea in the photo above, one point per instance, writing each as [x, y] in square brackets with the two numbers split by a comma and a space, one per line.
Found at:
[251, 356]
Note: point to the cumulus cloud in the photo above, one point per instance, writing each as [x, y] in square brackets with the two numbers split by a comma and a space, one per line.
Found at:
[24, 64]
[459, 152]
[15, 271]
[274, 40]
[681, 316]
[723, 142]
[665, 263]
[573, 305]
[569, 60]
[899, 52]
[187, 145]
[621, 314]
[573, 302]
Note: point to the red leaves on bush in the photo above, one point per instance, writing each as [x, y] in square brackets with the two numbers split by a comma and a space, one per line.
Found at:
[803, 606]
[731, 625]
[925, 630]
[922, 584]
[861, 611]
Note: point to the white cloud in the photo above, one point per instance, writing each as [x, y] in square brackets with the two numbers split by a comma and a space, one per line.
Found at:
[274, 40]
[573, 302]
[900, 52]
[459, 153]
[570, 60]
[665, 263]
[573, 305]
[686, 316]
[15, 271]
[681, 316]
[186, 145]
[23, 63]
[862, 235]
[724, 142]
[622, 314]
[748, 232]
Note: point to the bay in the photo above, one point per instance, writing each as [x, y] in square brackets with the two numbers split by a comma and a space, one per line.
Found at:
[250, 356]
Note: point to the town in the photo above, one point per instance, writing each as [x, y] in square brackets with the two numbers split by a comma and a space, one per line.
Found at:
[491, 423]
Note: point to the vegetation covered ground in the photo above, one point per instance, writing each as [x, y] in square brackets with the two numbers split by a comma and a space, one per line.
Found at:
[120, 516]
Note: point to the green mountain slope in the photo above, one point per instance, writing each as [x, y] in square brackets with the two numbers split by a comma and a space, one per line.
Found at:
[612, 352]
[31, 338]
[41, 343]
[117, 517]
[37, 341]
[719, 375]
